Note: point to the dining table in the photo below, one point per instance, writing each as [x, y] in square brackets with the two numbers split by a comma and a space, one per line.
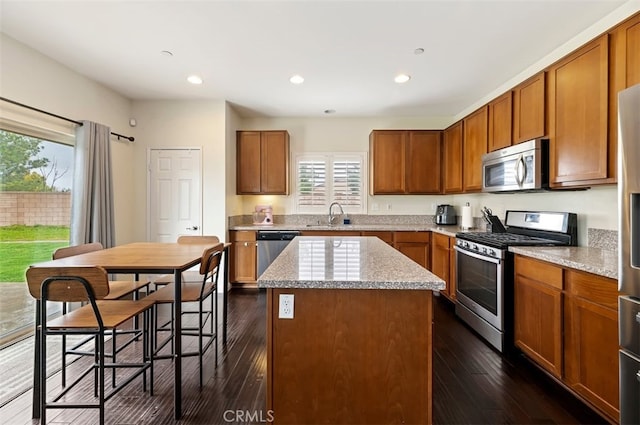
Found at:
[144, 258]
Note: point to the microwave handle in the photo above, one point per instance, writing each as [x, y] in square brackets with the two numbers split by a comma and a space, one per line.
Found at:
[521, 170]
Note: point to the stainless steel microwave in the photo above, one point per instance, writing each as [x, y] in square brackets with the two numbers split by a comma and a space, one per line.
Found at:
[524, 166]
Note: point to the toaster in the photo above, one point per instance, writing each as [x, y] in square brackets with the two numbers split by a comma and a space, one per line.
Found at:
[446, 214]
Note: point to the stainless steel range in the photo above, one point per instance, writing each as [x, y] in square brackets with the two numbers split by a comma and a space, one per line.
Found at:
[484, 268]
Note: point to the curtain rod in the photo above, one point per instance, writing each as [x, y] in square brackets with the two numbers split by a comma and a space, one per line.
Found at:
[129, 138]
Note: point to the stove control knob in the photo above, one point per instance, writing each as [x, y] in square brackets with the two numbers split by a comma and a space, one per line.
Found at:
[475, 247]
[492, 252]
[466, 244]
[484, 250]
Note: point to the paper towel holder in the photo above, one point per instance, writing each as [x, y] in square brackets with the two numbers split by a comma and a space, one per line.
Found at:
[467, 217]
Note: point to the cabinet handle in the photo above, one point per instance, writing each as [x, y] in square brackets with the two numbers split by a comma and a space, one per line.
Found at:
[638, 317]
[638, 376]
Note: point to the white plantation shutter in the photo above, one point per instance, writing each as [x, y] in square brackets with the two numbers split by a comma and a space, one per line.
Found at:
[348, 183]
[324, 178]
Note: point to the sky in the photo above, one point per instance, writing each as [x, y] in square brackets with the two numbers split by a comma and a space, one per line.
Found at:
[63, 155]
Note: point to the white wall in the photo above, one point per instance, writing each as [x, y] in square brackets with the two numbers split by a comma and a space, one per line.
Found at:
[31, 78]
[165, 123]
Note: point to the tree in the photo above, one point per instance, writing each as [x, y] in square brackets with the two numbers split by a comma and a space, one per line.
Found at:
[18, 157]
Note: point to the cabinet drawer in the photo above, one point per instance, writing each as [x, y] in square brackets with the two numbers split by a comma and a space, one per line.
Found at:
[411, 236]
[539, 271]
[242, 235]
[384, 236]
[598, 289]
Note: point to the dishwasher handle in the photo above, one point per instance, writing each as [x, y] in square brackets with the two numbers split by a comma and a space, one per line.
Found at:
[277, 235]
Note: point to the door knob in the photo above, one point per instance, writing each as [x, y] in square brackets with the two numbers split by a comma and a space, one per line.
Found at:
[193, 228]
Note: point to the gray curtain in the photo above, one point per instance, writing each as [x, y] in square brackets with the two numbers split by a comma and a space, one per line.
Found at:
[92, 194]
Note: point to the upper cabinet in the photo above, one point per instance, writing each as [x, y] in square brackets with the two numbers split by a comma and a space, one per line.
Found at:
[578, 120]
[405, 162]
[475, 130]
[529, 103]
[262, 162]
[500, 120]
[452, 158]
[624, 72]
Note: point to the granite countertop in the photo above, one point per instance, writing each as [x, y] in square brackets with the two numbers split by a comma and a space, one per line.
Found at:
[450, 230]
[349, 262]
[598, 261]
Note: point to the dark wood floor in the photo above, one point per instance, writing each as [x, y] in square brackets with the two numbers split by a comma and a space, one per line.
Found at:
[471, 383]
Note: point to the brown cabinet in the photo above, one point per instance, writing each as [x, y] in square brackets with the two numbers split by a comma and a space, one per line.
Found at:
[405, 162]
[538, 312]
[624, 72]
[414, 245]
[474, 146]
[443, 262]
[591, 340]
[567, 322]
[500, 122]
[243, 257]
[386, 237]
[262, 164]
[452, 158]
[529, 107]
[578, 119]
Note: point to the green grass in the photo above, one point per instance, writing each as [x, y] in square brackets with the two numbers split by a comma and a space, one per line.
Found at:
[21, 246]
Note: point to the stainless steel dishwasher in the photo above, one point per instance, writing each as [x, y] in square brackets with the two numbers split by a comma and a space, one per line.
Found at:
[270, 245]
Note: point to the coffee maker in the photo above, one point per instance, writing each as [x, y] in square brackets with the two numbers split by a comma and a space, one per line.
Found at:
[263, 215]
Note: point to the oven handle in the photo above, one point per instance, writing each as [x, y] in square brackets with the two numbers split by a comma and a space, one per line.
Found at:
[478, 256]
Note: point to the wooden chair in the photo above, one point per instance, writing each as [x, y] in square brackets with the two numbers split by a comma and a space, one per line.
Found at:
[189, 275]
[96, 318]
[117, 289]
[194, 292]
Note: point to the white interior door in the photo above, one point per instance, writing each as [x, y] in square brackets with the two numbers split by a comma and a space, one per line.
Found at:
[175, 194]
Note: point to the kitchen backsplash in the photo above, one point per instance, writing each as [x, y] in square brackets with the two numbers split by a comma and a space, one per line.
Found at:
[602, 238]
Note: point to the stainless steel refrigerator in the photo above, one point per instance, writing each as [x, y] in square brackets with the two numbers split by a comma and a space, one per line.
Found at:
[629, 252]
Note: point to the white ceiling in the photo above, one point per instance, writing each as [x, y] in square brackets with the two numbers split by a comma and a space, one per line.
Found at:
[347, 51]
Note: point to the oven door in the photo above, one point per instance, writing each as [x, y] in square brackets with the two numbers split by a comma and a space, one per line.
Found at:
[480, 282]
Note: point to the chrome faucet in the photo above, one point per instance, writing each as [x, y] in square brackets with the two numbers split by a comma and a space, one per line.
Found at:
[331, 216]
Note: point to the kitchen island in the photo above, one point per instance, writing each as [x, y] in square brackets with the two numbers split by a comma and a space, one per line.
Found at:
[358, 348]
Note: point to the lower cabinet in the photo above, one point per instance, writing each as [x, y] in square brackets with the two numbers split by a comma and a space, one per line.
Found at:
[414, 245]
[538, 313]
[243, 257]
[443, 262]
[566, 321]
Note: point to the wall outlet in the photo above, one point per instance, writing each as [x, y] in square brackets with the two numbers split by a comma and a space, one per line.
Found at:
[375, 206]
[286, 306]
[388, 207]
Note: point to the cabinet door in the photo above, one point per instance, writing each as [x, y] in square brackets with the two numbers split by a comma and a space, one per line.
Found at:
[386, 237]
[591, 340]
[387, 149]
[414, 245]
[452, 158]
[578, 119]
[423, 161]
[538, 320]
[440, 260]
[538, 323]
[624, 72]
[248, 162]
[475, 145]
[500, 119]
[529, 102]
[244, 256]
[274, 166]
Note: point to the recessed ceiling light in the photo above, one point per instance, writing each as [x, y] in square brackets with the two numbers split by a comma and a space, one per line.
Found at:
[418, 51]
[194, 79]
[296, 79]
[329, 111]
[166, 53]
[402, 78]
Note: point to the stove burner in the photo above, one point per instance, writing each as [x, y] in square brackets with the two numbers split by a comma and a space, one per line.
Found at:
[504, 240]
